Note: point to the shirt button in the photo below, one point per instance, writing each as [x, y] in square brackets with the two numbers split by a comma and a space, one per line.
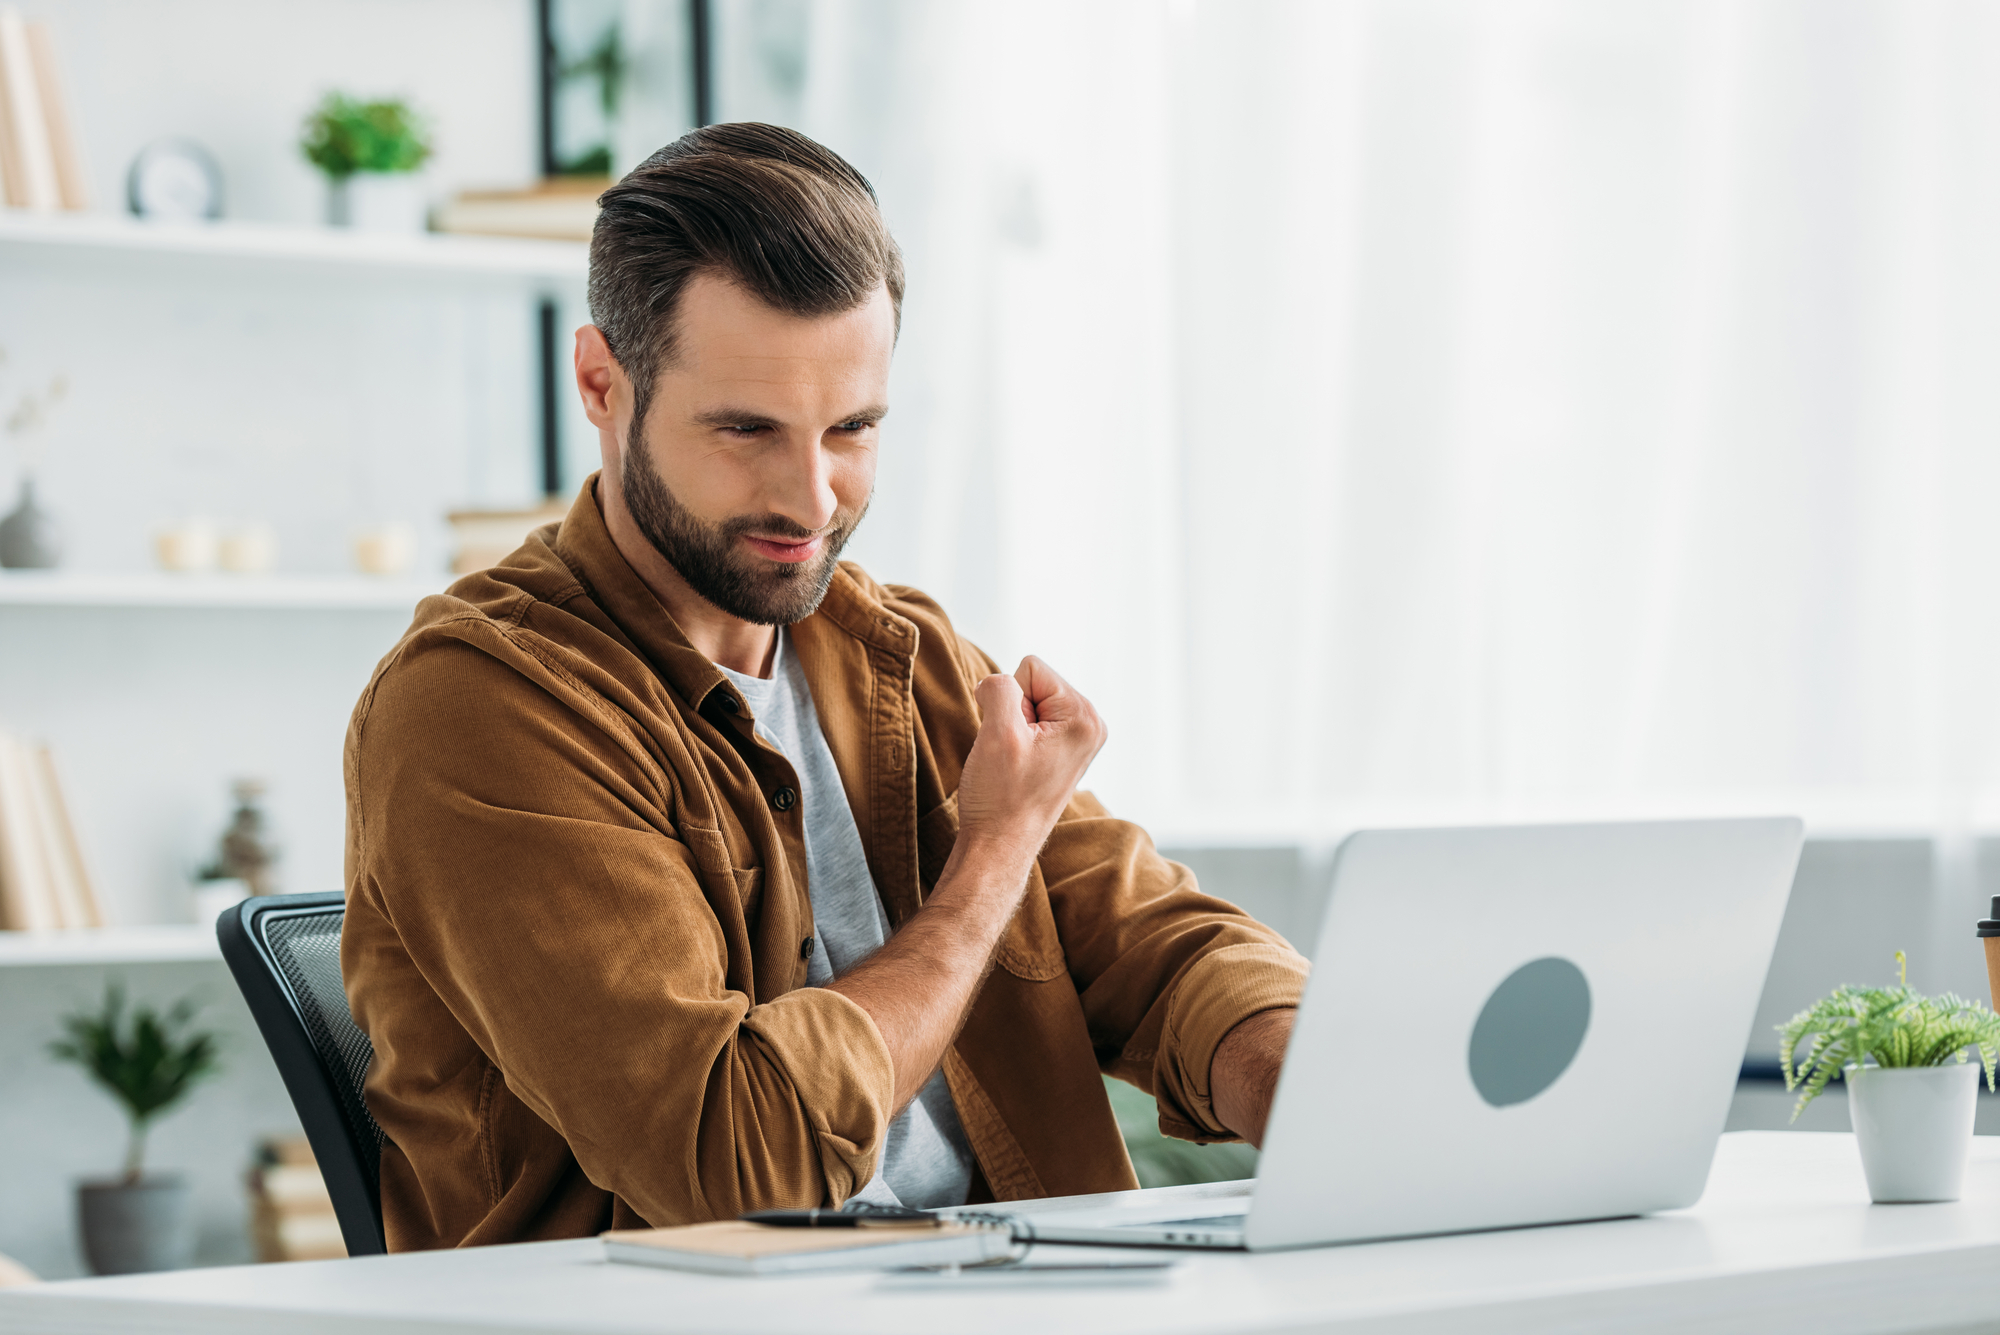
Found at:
[725, 702]
[806, 949]
[785, 799]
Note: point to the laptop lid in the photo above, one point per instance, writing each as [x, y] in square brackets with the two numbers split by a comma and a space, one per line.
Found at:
[1520, 1025]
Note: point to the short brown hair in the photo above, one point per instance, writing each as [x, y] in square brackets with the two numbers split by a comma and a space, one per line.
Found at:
[787, 218]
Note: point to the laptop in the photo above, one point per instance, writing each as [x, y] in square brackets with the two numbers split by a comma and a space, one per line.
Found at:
[1505, 1026]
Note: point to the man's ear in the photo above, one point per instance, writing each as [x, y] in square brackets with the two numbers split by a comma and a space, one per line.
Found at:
[601, 383]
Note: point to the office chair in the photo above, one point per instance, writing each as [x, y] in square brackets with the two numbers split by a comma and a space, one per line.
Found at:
[285, 953]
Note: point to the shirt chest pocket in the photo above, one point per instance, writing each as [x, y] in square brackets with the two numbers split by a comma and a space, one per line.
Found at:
[1030, 948]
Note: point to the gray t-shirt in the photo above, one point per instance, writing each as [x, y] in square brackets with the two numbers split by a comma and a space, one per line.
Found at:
[926, 1162]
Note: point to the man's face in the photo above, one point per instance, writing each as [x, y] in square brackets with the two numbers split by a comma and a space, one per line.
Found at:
[756, 458]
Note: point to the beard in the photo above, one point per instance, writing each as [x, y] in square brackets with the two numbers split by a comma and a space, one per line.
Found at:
[718, 567]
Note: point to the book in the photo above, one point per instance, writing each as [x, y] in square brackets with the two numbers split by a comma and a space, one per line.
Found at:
[71, 191]
[562, 209]
[484, 538]
[291, 1214]
[43, 883]
[75, 894]
[27, 893]
[30, 162]
[13, 183]
[736, 1247]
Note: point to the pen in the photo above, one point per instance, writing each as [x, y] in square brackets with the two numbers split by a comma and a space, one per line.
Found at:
[840, 1219]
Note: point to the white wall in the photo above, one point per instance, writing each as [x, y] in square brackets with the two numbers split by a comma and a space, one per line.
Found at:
[1396, 411]
[240, 75]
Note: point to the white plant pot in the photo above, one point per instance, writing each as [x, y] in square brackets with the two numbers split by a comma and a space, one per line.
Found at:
[1914, 1126]
[214, 898]
[377, 202]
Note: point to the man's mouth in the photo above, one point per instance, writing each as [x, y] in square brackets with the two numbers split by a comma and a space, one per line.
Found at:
[790, 551]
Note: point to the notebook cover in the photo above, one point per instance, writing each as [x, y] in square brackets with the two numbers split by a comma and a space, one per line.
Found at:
[736, 1247]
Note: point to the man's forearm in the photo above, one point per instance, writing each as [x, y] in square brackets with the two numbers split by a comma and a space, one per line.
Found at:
[1243, 1078]
[1036, 738]
[918, 988]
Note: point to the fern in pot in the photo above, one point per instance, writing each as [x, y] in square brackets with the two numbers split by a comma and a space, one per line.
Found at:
[149, 1062]
[1911, 1092]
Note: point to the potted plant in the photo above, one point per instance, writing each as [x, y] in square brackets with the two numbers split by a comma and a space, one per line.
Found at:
[150, 1064]
[1910, 1092]
[370, 152]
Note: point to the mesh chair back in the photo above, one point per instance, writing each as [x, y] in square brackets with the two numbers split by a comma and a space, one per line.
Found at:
[285, 953]
[307, 948]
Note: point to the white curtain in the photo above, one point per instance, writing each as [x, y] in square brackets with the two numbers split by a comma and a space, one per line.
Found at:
[1401, 410]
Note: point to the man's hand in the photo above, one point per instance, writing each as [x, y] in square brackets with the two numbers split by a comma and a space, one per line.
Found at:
[1036, 738]
[1243, 1078]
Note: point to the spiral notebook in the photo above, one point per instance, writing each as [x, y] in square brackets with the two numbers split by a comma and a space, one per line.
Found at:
[737, 1247]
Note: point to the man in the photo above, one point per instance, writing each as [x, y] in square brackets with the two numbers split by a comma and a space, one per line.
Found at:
[692, 872]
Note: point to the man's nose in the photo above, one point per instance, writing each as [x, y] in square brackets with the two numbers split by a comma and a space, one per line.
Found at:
[803, 491]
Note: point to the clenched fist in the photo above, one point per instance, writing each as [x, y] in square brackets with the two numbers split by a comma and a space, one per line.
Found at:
[1037, 735]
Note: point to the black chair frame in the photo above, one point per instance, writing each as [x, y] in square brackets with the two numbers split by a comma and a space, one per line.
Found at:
[326, 1094]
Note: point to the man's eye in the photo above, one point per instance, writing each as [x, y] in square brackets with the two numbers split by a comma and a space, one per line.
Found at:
[861, 425]
[743, 430]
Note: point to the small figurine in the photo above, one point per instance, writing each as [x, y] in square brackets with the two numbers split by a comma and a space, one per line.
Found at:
[246, 853]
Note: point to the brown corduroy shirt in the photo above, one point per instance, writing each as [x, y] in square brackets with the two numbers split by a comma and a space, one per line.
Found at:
[577, 916]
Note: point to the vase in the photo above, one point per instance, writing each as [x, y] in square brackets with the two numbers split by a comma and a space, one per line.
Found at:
[140, 1226]
[376, 202]
[1914, 1127]
[28, 536]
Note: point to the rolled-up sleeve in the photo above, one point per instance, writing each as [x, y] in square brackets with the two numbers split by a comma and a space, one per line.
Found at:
[517, 840]
[1163, 970]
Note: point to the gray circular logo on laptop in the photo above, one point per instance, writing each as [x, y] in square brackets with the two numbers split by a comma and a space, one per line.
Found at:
[1528, 1031]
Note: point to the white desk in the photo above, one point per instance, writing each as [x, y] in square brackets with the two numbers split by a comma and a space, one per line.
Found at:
[1784, 1240]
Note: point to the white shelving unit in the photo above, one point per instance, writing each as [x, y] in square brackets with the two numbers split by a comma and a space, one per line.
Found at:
[163, 944]
[24, 236]
[248, 592]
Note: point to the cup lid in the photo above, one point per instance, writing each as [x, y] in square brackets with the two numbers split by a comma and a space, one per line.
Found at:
[1991, 926]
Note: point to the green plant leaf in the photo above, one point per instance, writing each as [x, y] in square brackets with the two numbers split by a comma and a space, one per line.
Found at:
[344, 136]
[147, 1063]
[1892, 1027]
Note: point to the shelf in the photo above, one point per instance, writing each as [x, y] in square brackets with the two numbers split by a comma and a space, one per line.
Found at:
[20, 588]
[162, 944]
[31, 236]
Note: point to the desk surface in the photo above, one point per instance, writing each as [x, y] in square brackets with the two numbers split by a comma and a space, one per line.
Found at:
[1784, 1239]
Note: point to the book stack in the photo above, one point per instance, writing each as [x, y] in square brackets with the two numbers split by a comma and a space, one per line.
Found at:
[39, 168]
[43, 884]
[563, 208]
[291, 1216]
[483, 538]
